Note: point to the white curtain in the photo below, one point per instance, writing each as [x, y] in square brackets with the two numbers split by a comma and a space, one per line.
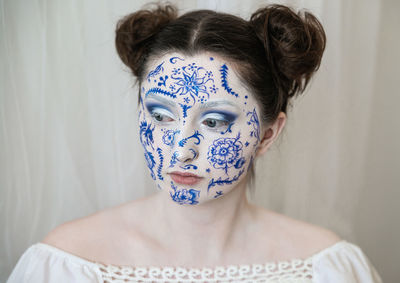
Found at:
[69, 143]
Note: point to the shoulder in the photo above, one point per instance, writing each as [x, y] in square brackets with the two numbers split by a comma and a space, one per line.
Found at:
[344, 262]
[99, 236]
[79, 235]
[293, 238]
[45, 263]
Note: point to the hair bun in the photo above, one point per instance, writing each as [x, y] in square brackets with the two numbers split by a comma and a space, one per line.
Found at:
[135, 31]
[294, 44]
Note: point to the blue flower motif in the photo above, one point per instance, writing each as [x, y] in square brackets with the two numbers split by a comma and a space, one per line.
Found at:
[183, 196]
[169, 137]
[191, 81]
[225, 153]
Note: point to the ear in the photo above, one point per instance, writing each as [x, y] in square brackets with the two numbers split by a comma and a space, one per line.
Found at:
[269, 134]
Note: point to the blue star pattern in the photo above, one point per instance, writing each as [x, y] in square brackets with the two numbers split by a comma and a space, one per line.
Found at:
[225, 153]
[183, 196]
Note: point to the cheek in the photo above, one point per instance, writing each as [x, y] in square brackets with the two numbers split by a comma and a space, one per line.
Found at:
[151, 139]
[231, 157]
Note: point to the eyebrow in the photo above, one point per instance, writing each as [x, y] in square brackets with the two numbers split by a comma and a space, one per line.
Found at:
[205, 105]
[161, 99]
[213, 104]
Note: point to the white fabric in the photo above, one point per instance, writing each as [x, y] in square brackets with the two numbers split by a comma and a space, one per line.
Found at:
[341, 262]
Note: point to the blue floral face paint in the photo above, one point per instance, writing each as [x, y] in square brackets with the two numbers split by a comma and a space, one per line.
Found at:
[197, 122]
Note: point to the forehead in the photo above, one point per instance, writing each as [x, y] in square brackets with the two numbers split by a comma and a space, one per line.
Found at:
[198, 78]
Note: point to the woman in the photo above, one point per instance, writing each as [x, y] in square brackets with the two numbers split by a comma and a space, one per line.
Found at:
[213, 94]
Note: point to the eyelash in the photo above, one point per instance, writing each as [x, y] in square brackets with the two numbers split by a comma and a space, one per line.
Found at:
[218, 122]
[157, 111]
[221, 120]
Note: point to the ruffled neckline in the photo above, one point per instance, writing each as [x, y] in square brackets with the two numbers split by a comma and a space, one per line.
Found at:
[82, 260]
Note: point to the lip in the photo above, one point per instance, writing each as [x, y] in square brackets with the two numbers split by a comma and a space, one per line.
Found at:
[185, 178]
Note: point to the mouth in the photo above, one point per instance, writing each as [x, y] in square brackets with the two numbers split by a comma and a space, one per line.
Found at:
[185, 178]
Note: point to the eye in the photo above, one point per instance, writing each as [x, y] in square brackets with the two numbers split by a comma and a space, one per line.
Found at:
[213, 123]
[218, 120]
[160, 117]
[160, 114]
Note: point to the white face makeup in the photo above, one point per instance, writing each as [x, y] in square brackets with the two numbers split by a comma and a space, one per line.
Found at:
[199, 127]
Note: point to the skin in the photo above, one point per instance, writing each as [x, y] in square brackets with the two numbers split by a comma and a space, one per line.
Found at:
[196, 112]
[205, 228]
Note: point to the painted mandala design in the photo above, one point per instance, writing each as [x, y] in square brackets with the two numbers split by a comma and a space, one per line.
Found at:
[192, 81]
[225, 153]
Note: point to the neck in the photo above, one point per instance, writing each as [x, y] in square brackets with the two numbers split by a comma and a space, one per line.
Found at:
[207, 231]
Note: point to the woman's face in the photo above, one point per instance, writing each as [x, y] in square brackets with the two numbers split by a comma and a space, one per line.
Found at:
[199, 127]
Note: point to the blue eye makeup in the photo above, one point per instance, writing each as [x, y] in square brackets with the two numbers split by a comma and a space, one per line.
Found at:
[159, 112]
[216, 119]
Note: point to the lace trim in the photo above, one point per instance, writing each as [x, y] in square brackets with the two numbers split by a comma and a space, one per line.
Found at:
[284, 271]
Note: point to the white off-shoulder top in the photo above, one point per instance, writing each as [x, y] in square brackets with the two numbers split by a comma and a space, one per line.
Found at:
[339, 263]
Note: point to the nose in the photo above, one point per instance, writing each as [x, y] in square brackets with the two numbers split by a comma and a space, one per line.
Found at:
[187, 147]
[187, 155]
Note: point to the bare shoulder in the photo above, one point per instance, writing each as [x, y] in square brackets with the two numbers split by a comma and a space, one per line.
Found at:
[294, 238]
[77, 236]
[94, 237]
[105, 236]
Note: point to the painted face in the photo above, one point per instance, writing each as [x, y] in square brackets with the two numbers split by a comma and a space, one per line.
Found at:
[199, 127]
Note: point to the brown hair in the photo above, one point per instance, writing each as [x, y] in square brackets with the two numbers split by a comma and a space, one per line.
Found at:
[275, 53]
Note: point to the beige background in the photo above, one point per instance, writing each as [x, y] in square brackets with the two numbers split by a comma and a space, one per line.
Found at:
[69, 144]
